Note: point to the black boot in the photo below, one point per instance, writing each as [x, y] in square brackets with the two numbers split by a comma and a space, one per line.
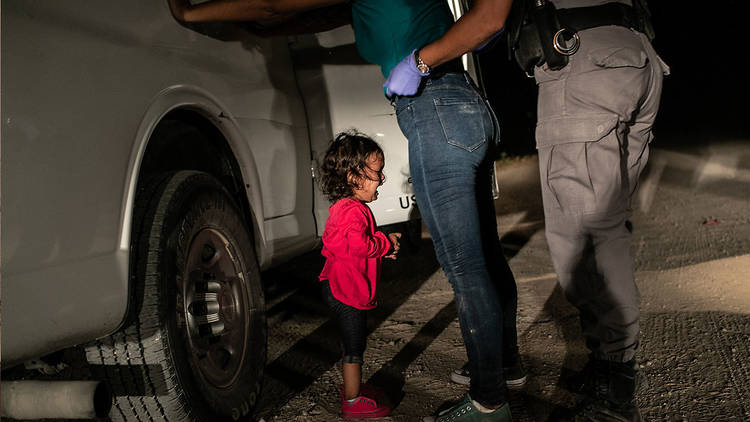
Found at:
[582, 382]
[610, 387]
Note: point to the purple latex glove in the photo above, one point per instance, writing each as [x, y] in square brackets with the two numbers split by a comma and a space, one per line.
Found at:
[404, 79]
[490, 40]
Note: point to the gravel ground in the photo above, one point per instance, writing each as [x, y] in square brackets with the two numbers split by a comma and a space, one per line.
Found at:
[692, 249]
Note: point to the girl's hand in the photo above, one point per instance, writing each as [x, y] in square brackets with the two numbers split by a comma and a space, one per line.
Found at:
[395, 246]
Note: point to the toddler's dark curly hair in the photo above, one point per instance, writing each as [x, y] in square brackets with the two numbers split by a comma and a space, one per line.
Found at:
[347, 154]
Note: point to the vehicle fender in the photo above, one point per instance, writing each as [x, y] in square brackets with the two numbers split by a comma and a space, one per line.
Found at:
[200, 101]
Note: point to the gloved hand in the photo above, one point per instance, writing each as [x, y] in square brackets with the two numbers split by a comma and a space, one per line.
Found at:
[404, 79]
[490, 40]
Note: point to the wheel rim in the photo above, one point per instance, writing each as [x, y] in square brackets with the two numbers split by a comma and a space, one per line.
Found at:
[214, 307]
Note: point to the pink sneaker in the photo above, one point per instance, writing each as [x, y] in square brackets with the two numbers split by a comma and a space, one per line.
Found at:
[363, 407]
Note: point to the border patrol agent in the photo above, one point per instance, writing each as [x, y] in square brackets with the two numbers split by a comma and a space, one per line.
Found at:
[599, 93]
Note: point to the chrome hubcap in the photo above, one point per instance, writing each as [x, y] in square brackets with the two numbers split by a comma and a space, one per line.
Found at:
[212, 302]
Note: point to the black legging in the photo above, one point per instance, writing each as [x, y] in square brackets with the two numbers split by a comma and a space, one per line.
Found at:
[352, 325]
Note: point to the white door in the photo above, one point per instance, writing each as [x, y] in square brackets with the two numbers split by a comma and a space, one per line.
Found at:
[341, 91]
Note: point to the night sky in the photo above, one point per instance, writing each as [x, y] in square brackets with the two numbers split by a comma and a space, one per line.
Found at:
[705, 97]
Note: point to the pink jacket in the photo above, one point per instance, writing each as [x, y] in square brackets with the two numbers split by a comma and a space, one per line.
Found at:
[353, 251]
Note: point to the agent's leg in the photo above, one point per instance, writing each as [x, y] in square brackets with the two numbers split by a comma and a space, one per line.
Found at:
[593, 133]
[591, 254]
[590, 250]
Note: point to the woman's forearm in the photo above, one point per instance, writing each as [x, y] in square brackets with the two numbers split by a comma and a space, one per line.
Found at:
[248, 10]
[474, 28]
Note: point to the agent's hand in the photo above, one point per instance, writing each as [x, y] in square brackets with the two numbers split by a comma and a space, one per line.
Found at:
[395, 246]
[404, 79]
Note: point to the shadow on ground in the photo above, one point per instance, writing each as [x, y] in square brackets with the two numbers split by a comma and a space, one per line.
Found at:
[306, 360]
[695, 364]
[694, 361]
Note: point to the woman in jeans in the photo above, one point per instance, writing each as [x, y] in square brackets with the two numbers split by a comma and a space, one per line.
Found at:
[451, 133]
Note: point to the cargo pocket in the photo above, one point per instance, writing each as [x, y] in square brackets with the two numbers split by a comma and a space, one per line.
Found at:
[462, 121]
[568, 173]
[614, 57]
[563, 130]
[545, 74]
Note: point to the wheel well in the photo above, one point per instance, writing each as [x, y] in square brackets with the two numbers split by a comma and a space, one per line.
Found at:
[187, 140]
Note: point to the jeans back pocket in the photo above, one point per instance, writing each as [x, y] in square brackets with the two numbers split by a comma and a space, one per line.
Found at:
[463, 121]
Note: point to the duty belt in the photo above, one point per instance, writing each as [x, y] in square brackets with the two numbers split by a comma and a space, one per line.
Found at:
[580, 18]
[540, 33]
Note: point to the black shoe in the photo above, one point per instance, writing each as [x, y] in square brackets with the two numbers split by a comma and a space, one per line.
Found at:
[583, 382]
[610, 387]
[606, 411]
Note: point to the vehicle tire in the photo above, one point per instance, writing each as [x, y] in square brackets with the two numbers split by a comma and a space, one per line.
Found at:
[194, 345]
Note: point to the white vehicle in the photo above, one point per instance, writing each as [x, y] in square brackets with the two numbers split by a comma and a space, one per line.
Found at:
[149, 172]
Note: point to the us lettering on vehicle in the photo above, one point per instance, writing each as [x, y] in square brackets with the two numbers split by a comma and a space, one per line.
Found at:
[406, 201]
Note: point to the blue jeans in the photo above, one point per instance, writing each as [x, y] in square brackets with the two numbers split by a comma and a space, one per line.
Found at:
[451, 133]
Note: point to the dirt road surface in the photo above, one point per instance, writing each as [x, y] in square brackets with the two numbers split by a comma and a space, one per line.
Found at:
[692, 249]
